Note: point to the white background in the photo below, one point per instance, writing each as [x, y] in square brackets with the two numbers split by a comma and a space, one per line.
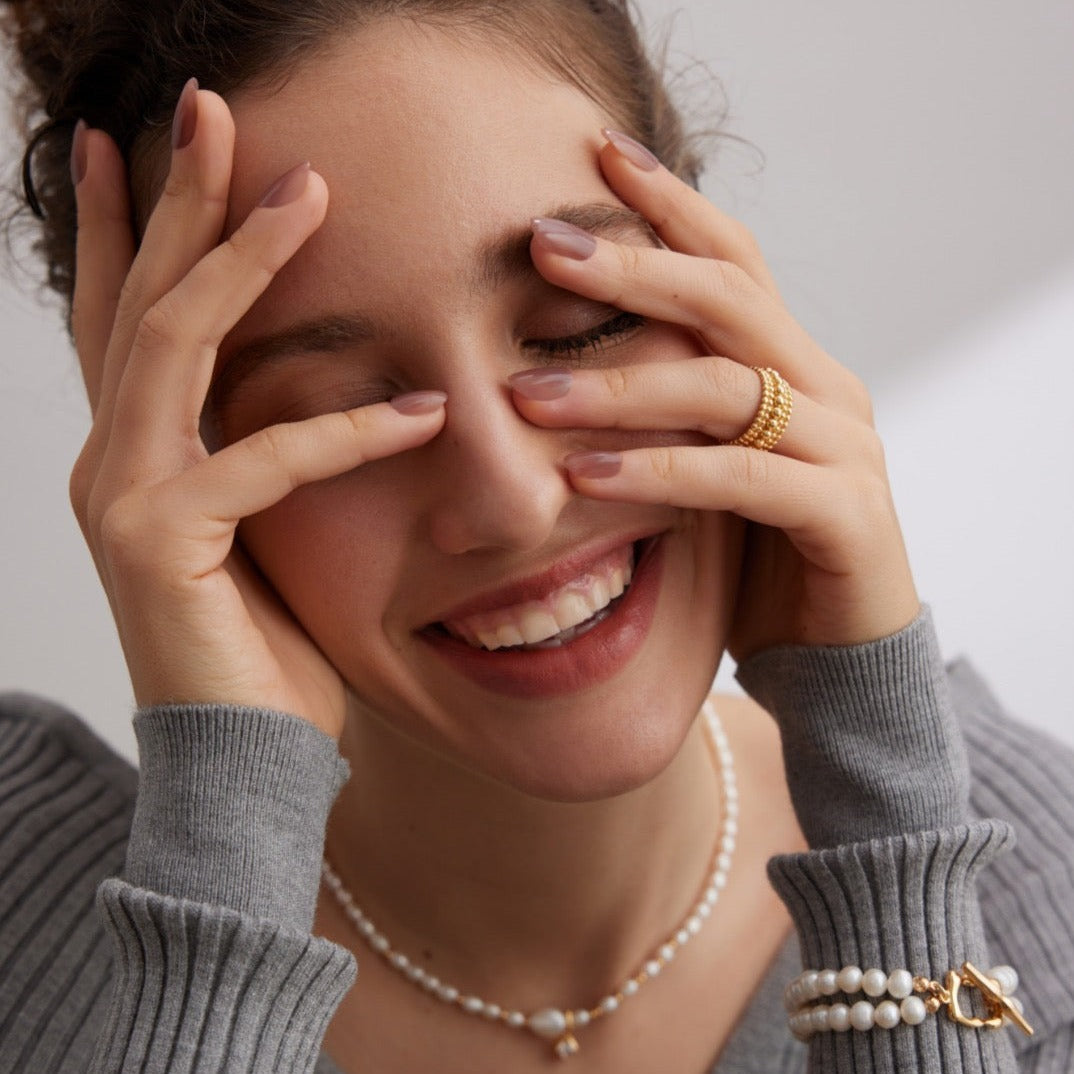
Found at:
[915, 205]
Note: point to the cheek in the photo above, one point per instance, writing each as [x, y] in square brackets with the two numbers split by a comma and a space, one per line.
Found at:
[331, 550]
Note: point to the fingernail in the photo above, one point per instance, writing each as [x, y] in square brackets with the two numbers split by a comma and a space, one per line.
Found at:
[542, 384]
[79, 160]
[185, 122]
[594, 463]
[559, 237]
[419, 402]
[289, 187]
[633, 150]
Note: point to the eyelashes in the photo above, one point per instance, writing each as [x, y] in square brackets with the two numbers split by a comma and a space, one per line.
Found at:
[593, 341]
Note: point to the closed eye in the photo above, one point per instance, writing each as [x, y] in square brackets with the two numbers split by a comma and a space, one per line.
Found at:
[594, 339]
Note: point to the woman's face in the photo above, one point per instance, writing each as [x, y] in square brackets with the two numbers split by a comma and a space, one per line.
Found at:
[437, 155]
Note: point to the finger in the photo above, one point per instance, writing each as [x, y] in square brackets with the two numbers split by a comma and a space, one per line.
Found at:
[257, 472]
[683, 217]
[104, 248]
[716, 299]
[159, 404]
[714, 396]
[772, 490]
[186, 223]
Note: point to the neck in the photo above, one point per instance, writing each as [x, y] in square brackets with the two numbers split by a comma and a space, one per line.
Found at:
[521, 897]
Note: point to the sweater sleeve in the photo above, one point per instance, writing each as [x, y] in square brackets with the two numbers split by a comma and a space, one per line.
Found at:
[215, 968]
[878, 774]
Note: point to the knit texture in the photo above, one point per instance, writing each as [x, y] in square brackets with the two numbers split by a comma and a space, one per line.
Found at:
[200, 959]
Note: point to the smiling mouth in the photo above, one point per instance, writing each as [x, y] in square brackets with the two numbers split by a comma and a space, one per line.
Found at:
[567, 613]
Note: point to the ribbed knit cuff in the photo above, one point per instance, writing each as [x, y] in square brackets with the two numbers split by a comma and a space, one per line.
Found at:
[908, 902]
[232, 807]
[871, 743]
[202, 988]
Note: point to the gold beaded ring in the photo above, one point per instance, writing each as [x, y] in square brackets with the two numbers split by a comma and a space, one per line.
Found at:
[773, 415]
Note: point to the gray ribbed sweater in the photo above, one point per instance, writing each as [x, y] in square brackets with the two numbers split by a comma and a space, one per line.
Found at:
[200, 959]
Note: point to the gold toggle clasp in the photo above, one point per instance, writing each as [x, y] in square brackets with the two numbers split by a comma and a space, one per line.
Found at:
[998, 1006]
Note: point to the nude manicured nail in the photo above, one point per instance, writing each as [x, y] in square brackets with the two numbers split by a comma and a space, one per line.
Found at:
[185, 122]
[415, 403]
[79, 158]
[594, 463]
[633, 150]
[559, 237]
[289, 187]
[542, 384]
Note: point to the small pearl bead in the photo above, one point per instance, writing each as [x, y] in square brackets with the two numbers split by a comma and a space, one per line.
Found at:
[719, 881]
[703, 910]
[609, 1004]
[839, 1017]
[447, 993]
[682, 937]
[849, 979]
[1006, 977]
[900, 984]
[874, 983]
[723, 862]
[819, 1018]
[862, 1015]
[653, 967]
[801, 1026]
[399, 960]
[491, 1011]
[472, 1004]
[581, 1018]
[379, 943]
[828, 982]
[367, 928]
[667, 952]
[629, 987]
[888, 1014]
[727, 844]
[516, 1019]
[913, 1010]
[809, 984]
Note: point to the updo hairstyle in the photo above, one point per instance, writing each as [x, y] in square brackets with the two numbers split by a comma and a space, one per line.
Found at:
[120, 65]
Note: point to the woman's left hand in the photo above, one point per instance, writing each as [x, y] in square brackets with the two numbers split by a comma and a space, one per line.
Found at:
[825, 560]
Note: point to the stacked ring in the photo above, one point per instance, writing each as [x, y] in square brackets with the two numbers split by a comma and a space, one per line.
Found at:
[773, 415]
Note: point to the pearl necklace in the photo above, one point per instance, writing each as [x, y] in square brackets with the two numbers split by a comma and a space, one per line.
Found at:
[552, 1023]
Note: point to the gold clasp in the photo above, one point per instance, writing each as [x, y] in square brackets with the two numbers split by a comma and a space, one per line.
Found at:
[999, 1006]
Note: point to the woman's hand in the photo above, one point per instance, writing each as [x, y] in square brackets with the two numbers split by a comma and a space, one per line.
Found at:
[158, 511]
[825, 560]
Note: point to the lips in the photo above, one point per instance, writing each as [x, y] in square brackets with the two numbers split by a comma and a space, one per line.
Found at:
[589, 651]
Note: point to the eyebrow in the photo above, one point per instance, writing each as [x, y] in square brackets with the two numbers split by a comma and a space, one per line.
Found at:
[498, 261]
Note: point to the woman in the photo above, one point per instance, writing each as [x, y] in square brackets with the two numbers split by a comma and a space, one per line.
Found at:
[455, 458]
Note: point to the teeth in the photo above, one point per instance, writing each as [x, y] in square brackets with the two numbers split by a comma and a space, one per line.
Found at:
[570, 611]
[509, 635]
[536, 624]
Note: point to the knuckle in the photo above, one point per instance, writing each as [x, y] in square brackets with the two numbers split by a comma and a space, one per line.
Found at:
[122, 532]
[617, 380]
[663, 463]
[751, 468]
[860, 400]
[159, 326]
[723, 379]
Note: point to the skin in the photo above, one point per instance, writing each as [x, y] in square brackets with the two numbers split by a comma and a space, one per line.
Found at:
[451, 778]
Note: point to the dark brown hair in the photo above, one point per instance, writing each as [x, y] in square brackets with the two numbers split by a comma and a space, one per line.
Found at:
[120, 65]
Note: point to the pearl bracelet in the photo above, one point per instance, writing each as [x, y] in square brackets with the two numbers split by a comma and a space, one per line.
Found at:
[913, 998]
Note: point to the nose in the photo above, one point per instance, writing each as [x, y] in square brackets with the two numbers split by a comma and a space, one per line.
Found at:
[501, 483]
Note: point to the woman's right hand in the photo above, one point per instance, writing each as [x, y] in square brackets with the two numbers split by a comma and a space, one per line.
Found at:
[158, 510]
